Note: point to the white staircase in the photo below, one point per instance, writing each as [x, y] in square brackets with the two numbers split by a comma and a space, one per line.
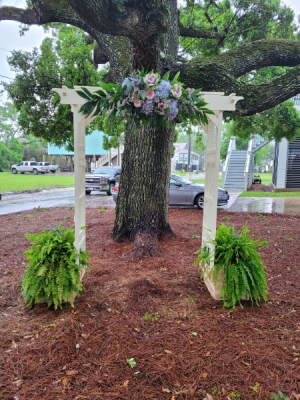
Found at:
[239, 165]
[108, 158]
[235, 178]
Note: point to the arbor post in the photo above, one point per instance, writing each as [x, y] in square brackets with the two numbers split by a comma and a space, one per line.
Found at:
[80, 122]
[218, 103]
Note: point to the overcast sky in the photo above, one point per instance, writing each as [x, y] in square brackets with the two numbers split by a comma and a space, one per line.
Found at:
[10, 38]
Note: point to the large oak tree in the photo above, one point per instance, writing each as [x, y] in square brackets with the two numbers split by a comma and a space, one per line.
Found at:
[226, 42]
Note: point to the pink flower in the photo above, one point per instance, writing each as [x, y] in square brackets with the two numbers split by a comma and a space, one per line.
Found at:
[150, 94]
[176, 90]
[163, 105]
[151, 79]
[137, 103]
[190, 90]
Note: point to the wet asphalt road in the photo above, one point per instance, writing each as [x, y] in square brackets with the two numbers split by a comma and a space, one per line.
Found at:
[14, 202]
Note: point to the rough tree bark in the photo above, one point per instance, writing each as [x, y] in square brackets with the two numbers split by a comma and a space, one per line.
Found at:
[142, 205]
[135, 34]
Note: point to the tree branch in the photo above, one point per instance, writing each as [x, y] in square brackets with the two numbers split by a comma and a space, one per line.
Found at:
[135, 20]
[199, 33]
[213, 77]
[259, 54]
[28, 16]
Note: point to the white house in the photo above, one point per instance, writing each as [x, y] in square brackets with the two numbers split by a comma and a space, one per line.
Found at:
[181, 157]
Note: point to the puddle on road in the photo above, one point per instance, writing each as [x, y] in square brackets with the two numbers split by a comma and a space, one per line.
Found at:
[284, 205]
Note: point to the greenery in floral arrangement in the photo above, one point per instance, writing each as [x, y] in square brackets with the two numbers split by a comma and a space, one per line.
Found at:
[145, 95]
[244, 274]
[54, 264]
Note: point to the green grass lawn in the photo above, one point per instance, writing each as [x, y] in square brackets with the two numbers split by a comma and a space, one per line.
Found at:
[12, 182]
[270, 194]
[266, 179]
[202, 181]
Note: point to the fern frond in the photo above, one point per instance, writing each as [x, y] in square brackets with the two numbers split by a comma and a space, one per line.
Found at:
[237, 255]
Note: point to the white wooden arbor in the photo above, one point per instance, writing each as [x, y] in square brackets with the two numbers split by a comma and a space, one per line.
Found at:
[216, 101]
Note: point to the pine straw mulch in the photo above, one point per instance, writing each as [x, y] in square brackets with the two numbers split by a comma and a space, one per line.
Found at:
[192, 348]
[258, 187]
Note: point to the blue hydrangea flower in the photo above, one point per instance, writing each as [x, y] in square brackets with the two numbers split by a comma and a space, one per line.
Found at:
[173, 109]
[163, 90]
[148, 107]
[129, 85]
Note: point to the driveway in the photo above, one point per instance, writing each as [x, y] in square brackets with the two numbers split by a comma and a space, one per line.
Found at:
[14, 202]
[282, 205]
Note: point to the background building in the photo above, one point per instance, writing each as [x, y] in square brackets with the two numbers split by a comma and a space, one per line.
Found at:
[95, 155]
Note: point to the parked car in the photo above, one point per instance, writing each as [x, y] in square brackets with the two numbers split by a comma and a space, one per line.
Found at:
[184, 192]
[102, 179]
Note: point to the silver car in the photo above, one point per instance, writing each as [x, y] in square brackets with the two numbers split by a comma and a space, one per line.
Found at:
[184, 192]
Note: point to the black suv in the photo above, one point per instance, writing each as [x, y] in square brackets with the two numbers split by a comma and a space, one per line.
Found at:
[102, 179]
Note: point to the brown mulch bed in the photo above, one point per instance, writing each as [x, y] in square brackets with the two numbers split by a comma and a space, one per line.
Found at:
[258, 187]
[191, 348]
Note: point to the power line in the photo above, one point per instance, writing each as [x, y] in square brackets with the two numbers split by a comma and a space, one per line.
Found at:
[1, 48]
[6, 77]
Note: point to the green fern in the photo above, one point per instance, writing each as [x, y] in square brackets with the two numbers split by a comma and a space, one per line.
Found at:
[237, 254]
[52, 273]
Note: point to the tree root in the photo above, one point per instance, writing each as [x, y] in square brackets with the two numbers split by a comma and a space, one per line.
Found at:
[146, 244]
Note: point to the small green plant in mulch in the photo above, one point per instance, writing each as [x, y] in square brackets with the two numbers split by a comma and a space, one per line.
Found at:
[261, 216]
[278, 396]
[237, 254]
[225, 218]
[147, 317]
[195, 237]
[234, 395]
[53, 268]
[131, 362]
[288, 239]
[102, 210]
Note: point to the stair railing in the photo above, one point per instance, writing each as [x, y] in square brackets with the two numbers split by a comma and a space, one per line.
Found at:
[104, 159]
[247, 165]
[231, 147]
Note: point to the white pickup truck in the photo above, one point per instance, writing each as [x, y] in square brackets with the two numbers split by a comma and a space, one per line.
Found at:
[29, 166]
[51, 168]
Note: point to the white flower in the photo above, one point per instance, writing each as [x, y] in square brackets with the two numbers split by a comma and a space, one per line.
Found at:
[176, 90]
[151, 79]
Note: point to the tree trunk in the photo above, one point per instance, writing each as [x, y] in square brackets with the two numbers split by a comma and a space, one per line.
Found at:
[143, 200]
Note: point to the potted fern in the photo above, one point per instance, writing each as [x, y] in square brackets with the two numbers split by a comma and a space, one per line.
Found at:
[237, 269]
[53, 270]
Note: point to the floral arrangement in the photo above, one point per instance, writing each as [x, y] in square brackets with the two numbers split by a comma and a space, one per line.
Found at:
[144, 95]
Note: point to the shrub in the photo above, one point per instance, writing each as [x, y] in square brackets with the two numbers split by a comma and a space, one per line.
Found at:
[54, 264]
[244, 274]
